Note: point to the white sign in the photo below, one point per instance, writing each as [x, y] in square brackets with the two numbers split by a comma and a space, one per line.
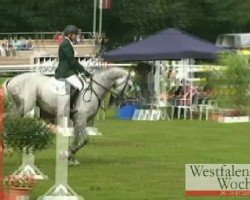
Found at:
[48, 67]
[217, 179]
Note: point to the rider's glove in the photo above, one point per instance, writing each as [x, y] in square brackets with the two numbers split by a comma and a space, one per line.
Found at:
[87, 74]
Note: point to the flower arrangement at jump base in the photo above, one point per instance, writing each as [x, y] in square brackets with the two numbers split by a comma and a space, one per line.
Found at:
[19, 186]
[20, 181]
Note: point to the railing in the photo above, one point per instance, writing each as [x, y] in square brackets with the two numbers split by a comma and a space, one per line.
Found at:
[38, 35]
[16, 68]
[48, 65]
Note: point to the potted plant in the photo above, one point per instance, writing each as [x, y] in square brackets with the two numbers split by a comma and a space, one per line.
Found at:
[27, 135]
[232, 86]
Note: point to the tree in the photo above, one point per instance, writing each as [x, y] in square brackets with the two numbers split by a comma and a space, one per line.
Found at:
[129, 18]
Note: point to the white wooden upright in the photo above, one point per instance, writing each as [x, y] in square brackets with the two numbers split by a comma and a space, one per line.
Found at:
[61, 190]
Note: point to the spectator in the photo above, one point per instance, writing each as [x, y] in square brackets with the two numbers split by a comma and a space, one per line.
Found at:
[23, 43]
[170, 96]
[29, 44]
[58, 37]
[12, 50]
[207, 94]
[102, 41]
[182, 93]
[79, 36]
[19, 44]
[3, 50]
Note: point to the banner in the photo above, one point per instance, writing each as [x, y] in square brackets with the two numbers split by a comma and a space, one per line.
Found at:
[217, 179]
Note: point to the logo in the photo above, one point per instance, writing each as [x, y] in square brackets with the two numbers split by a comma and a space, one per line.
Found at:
[217, 179]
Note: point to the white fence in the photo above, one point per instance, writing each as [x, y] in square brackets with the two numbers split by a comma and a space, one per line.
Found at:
[48, 66]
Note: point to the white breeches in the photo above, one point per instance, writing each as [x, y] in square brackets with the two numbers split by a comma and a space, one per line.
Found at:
[75, 82]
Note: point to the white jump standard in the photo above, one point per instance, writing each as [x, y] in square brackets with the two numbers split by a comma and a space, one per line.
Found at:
[61, 189]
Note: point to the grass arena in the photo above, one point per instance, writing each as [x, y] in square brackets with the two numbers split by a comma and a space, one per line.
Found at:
[143, 160]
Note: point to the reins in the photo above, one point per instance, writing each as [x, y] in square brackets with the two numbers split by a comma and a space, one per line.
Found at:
[90, 88]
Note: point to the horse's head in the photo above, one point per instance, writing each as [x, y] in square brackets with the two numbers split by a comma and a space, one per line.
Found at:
[123, 84]
[117, 81]
[122, 87]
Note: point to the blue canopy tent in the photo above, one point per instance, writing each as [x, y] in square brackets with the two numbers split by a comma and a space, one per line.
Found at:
[168, 44]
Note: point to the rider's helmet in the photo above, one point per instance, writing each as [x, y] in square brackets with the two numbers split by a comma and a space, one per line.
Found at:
[70, 29]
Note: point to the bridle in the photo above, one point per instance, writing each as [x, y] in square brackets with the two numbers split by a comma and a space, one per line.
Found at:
[121, 94]
[126, 82]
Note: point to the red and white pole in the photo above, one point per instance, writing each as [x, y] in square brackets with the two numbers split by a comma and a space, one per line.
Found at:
[1, 143]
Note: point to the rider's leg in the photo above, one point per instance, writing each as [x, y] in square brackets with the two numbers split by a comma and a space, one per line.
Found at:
[75, 82]
[73, 97]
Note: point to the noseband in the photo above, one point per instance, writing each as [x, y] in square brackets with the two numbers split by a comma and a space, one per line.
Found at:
[122, 93]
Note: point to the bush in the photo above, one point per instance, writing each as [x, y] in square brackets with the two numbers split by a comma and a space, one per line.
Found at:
[25, 133]
[233, 82]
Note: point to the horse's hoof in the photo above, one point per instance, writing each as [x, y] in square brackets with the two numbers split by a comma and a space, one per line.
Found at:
[85, 141]
[73, 162]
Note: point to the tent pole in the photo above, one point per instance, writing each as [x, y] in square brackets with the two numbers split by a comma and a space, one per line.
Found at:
[191, 63]
[157, 80]
[100, 18]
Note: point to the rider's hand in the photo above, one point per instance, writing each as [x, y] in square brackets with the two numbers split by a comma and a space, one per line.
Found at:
[87, 74]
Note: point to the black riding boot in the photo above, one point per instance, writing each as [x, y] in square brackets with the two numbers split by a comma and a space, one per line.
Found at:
[73, 97]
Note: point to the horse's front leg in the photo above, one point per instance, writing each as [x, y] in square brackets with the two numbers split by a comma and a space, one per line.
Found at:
[79, 138]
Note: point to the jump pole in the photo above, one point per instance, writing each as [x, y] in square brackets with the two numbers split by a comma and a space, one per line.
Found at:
[61, 190]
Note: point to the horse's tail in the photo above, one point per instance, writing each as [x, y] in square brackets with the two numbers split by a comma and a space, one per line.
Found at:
[5, 87]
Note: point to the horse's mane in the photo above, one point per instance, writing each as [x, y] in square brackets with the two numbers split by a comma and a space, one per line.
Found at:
[112, 72]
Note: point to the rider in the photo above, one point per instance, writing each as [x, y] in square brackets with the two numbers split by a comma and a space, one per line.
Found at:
[69, 67]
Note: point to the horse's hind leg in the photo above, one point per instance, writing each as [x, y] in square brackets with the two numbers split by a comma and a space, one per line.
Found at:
[17, 106]
[21, 106]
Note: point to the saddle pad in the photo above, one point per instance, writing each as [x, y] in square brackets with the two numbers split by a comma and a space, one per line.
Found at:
[58, 87]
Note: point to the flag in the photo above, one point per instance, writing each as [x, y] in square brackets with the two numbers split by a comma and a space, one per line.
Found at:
[105, 4]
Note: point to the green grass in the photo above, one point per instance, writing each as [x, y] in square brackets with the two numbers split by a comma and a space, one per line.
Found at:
[2, 80]
[143, 160]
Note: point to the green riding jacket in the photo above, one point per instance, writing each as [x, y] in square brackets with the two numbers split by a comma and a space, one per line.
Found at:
[68, 64]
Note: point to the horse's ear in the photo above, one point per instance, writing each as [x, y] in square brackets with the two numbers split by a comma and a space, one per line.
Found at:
[132, 74]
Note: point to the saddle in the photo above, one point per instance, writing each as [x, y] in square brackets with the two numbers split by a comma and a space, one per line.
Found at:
[59, 87]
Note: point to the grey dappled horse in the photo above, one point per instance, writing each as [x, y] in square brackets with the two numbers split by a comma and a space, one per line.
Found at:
[31, 89]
